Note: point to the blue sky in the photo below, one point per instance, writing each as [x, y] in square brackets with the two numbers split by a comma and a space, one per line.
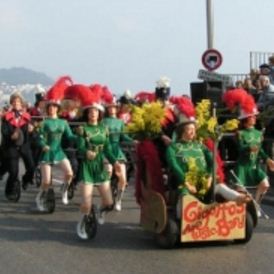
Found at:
[130, 44]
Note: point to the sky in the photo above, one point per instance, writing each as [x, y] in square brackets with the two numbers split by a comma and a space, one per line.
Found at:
[128, 44]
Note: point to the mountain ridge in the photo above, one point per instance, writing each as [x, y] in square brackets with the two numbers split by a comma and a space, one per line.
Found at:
[22, 75]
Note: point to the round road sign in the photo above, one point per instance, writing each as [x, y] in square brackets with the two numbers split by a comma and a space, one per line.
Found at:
[212, 59]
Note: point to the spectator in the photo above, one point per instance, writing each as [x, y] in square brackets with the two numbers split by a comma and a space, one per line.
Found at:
[265, 69]
[239, 84]
[254, 75]
[250, 88]
[271, 65]
[266, 97]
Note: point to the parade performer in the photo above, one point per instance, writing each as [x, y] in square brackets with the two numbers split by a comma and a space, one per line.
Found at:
[39, 106]
[70, 108]
[71, 111]
[124, 112]
[116, 128]
[52, 130]
[162, 95]
[152, 150]
[145, 126]
[94, 147]
[191, 161]
[37, 115]
[16, 129]
[248, 169]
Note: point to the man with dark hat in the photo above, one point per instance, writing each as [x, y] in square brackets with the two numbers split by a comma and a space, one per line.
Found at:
[37, 110]
[265, 69]
[162, 94]
[162, 90]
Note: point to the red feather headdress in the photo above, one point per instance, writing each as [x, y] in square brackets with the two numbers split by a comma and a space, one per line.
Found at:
[240, 98]
[57, 92]
[184, 108]
[76, 92]
[145, 96]
[107, 97]
[89, 96]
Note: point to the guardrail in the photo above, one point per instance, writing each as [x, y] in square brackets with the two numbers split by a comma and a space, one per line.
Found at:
[237, 76]
[258, 58]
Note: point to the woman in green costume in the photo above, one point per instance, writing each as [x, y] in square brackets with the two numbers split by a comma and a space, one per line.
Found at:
[94, 147]
[51, 133]
[182, 152]
[248, 167]
[115, 127]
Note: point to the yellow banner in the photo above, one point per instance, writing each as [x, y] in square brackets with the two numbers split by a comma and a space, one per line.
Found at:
[217, 221]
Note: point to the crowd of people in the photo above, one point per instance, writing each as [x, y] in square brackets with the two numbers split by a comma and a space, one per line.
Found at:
[260, 84]
[94, 123]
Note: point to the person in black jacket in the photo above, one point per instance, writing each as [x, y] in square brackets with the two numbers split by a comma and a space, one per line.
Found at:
[16, 128]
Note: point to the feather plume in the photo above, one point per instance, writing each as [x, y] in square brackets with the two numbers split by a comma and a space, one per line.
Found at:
[169, 118]
[148, 159]
[240, 98]
[107, 96]
[76, 92]
[184, 106]
[249, 104]
[220, 164]
[97, 91]
[145, 96]
[163, 82]
[234, 97]
[57, 92]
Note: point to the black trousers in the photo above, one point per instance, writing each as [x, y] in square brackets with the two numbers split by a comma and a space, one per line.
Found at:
[3, 162]
[13, 155]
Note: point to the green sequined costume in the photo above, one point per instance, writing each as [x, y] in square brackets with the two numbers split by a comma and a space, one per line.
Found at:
[116, 127]
[94, 138]
[248, 168]
[50, 134]
[178, 155]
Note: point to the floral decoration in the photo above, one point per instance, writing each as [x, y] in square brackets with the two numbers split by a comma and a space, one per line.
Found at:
[146, 121]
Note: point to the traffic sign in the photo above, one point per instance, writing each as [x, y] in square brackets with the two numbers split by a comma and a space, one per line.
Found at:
[215, 77]
[212, 59]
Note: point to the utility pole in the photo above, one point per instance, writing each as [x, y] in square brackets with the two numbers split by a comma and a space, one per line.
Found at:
[210, 24]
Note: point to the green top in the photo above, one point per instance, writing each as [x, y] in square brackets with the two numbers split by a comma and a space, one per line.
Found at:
[94, 138]
[50, 134]
[248, 168]
[248, 138]
[180, 153]
[116, 127]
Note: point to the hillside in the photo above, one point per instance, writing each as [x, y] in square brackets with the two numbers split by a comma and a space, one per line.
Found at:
[20, 75]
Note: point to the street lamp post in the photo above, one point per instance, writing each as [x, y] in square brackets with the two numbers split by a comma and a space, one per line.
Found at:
[210, 24]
